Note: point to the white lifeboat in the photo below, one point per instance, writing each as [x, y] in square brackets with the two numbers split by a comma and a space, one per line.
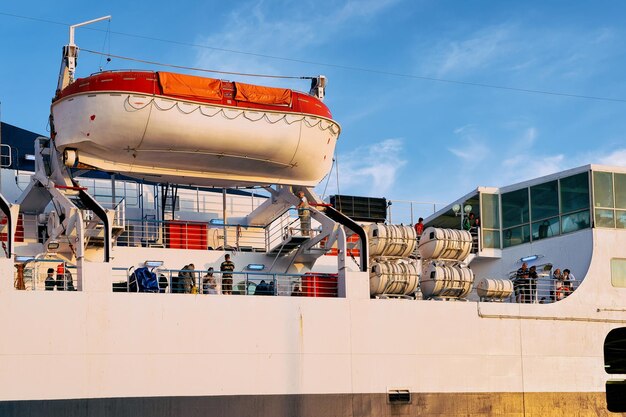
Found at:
[171, 127]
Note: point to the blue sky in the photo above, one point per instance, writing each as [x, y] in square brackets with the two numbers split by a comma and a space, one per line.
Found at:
[405, 136]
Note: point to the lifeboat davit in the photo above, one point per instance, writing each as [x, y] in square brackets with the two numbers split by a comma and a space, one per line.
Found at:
[171, 127]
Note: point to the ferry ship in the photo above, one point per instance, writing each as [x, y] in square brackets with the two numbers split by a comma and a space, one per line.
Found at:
[115, 299]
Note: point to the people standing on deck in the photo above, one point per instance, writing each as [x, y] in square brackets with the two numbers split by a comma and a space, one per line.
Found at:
[50, 281]
[64, 279]
[568, 277]
[208, 283]
[188, 280]
[521, 283]
[557, 276]
[304, 214]
[419, 227]
[227, 277]
[531, 290]
[471, 224]
[468, 222]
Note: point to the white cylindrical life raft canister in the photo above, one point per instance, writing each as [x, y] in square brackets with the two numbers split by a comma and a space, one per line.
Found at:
[393, 277]
[450, 244]
[391, 240]
[494, 288]
[446, 281]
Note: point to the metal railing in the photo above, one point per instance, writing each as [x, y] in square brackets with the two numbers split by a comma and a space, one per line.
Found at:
[34, 275]
[542, 290]
[5, 156]
[182, 281]
[286, 225]
[408, 212]
[179, 234]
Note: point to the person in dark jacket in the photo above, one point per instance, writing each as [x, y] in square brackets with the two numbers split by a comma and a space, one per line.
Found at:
[50, 282]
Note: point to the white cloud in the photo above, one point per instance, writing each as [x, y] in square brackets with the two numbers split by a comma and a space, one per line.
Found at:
[257, 28]
[616, 157]
[472, 53]
[514, 56]
[527, 166]
[472, 147]
[370, 170]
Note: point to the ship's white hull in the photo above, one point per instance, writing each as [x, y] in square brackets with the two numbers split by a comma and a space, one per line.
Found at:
[347, 352]
[187, 142]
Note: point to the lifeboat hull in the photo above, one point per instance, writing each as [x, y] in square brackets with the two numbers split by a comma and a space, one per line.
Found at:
[174, 140]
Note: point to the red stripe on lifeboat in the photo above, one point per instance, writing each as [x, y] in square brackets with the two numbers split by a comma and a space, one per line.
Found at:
[198, 89]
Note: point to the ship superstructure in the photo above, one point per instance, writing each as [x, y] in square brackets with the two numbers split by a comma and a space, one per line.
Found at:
[117, 296]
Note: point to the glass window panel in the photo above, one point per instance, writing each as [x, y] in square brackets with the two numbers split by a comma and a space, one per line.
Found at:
[186, 204]
[620, 190]
[546, 228]
[544, 200]
[491, 239]
[516, 236]
[604, 218]
[574, 193]
[603, 189]
[575, 221]
[490, 211]
[618, 272]
[620, 219]
[515, 208]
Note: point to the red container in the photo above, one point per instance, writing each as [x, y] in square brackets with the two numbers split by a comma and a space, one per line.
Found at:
[186, 235]
[319, 285]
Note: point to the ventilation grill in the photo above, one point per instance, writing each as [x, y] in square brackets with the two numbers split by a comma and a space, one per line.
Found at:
[399, 396]
[361, 208]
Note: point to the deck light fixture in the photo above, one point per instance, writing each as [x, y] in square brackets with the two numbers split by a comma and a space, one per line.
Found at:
[529, 258]
[53, 245]
[255, 267]
[24, 259]
[153, 264]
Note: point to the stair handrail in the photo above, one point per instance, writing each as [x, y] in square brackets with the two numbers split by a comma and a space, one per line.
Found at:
[120, 213]
[270, 229]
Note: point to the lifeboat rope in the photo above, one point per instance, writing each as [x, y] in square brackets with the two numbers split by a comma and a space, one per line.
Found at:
[232, 114]
[244, 74]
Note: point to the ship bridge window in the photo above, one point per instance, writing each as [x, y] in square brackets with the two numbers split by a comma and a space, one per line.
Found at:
[515, 218]
[490, 220]
[609, 199]
[575, 193]
[618, 273]
[575, 203]
[544, 200]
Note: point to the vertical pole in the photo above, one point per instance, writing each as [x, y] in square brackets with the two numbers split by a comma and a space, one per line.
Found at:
[113, 190]
[224, 215]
